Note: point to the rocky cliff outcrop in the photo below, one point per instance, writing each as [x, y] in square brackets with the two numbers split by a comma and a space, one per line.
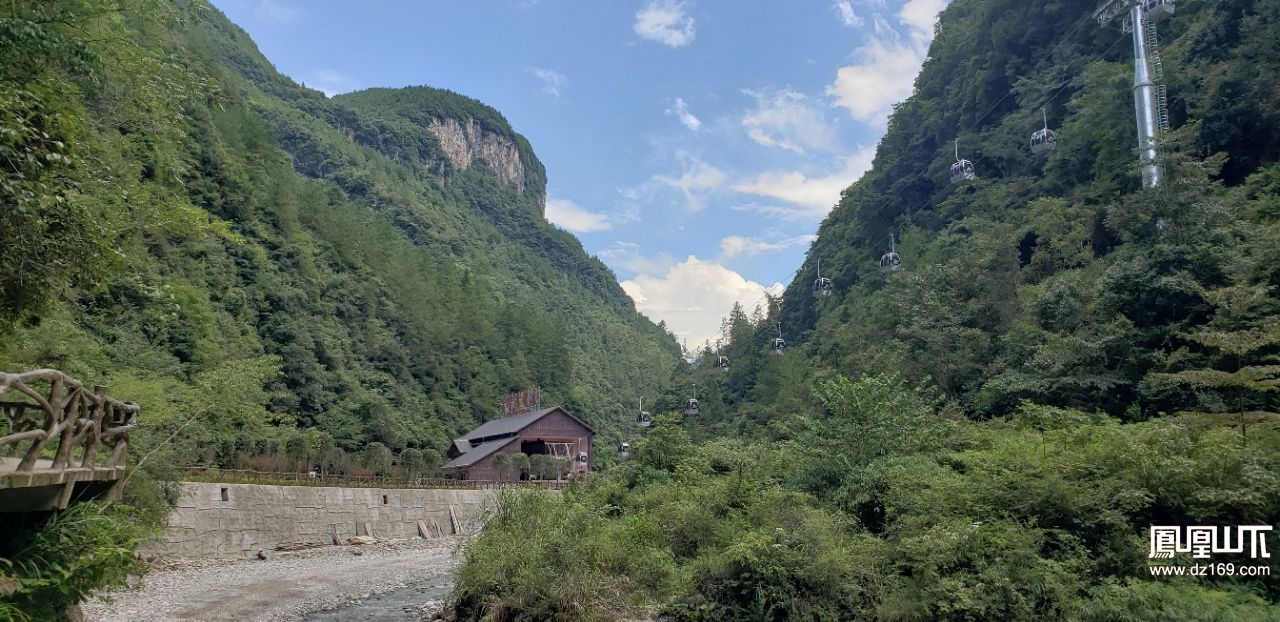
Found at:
[465, 142]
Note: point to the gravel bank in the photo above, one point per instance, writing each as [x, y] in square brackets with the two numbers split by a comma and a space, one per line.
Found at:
[287, 586]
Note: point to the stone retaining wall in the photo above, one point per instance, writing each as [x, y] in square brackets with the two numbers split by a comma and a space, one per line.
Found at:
[236, 520]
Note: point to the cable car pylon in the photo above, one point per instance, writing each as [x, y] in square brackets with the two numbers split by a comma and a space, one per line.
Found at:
[1149, 99]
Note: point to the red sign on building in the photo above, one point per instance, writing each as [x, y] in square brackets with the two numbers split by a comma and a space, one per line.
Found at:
[520, 403]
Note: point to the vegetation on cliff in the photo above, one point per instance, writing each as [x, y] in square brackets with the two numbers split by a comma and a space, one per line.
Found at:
[280, 279]
[287, 280]
[285, 277]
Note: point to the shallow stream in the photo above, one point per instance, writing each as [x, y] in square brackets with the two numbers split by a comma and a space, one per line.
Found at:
[402, 605]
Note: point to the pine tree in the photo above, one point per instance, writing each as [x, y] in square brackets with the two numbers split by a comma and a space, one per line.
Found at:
[1241, 369]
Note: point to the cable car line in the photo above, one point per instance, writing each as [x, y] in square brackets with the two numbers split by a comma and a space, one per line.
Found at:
[921, 175]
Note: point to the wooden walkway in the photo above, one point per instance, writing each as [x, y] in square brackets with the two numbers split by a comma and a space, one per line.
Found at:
[59, 442]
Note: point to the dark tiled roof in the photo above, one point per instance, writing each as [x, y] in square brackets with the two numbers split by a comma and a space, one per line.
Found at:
[494, 435]
[479, 452]
[508, 425]
[513, 425]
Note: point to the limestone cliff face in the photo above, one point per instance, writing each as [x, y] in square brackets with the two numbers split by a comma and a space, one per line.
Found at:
[465, 142]
[441, 133]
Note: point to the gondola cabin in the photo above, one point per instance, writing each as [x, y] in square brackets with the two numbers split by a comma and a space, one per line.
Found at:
[962, 169]
[1044, 139]
[822, 287]
[890, 262]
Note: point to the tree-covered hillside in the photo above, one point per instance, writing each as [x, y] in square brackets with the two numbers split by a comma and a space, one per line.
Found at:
[284, 277]
[1051, 277]
[1063, 360]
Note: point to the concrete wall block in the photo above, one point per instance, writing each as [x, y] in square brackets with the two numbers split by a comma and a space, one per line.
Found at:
[260, 517]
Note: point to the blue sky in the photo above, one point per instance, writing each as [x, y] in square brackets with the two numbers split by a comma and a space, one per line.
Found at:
[694, 146]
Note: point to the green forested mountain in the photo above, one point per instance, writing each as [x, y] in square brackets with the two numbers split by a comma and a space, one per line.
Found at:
[1051, 277]
[293, 274]
[1063, 360]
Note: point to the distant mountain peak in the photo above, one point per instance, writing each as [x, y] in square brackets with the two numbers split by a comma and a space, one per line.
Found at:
[466, 130]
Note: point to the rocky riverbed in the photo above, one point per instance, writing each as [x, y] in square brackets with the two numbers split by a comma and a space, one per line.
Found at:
[413, 577]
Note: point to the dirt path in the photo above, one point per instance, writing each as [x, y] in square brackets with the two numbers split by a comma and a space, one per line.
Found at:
[286, 587]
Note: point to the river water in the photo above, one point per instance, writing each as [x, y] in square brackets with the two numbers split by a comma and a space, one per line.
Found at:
[395, 606]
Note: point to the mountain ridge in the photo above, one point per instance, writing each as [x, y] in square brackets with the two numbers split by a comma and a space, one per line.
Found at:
[360, 281]
[1040, 279]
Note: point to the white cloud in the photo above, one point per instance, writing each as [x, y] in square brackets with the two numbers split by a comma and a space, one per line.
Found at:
[680, 110]
[735, 245]
[784, 118]
[920, 16]
[332, 82]
[666, 22]
[888, 64]
[693, 296]
[568, 216]
[883, 29]
[277, 12]
[813, 196]
[696, 180]
[628, 258]
[553, 82]
[844, 9]
[778, 212]
[883, 78]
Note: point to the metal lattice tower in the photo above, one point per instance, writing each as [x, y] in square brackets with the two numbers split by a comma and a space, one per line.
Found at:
[1150, 99]
[1162, 108]
[1157, 76]
[1153, 51]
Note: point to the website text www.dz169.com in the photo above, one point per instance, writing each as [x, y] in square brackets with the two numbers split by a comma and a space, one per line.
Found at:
[1211, 570]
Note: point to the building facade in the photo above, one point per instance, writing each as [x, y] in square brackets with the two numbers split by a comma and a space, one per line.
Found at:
[550, 431]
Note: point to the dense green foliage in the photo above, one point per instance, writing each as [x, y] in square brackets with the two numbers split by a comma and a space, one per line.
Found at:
[285, 280]
[1063, 360]
[278, 277]
[1050, 277]
[882, 507]
[282, 281]
[63, 558]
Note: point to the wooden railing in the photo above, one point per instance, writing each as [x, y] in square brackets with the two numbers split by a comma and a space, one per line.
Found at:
[64, 418]
[232, 476]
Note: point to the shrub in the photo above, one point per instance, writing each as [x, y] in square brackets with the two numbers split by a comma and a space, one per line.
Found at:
[75, 553]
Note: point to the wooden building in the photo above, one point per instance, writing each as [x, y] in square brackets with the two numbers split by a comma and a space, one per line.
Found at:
[552, 431]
